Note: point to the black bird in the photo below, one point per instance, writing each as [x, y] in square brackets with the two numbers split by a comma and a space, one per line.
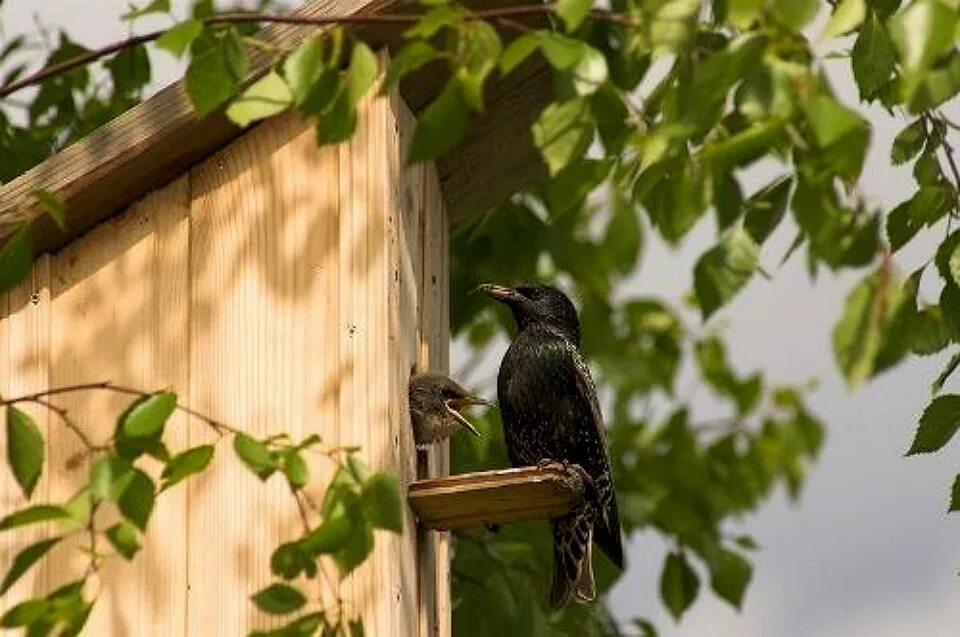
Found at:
[435, 401]
[550, 412]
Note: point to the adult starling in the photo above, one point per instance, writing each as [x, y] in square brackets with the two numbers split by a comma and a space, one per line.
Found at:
[550, 412]
[435, 401]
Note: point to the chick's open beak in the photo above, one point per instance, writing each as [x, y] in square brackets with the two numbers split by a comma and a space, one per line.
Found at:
[454, 404]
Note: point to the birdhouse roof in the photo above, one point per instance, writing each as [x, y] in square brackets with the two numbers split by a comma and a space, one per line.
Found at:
[159, 139]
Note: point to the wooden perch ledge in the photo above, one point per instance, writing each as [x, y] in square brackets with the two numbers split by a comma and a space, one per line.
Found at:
[494, 497]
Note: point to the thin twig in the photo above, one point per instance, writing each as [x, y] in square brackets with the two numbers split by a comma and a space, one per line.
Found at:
[107, 385]
[247, 18]
[68, 423]
[92, 530]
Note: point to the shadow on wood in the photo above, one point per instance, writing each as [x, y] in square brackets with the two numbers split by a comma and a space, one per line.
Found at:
[494, 497]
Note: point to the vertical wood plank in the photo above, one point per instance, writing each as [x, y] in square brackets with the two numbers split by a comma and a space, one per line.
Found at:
[264, 307]
[119, 312]
[406, 181]
[435, 349]
[24, 368]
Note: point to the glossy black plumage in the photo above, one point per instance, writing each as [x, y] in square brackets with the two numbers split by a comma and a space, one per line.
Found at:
[435, 401]
[550, 411]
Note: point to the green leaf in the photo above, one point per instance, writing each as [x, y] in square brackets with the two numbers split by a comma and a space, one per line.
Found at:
[338, 121]
[939, 422]
[16, 257]
[723, 270]
[901, 226]
[109, 477]
[730, 573]
[54, 206]
[24, 560]
[79, 508]
[858, 335]
[291, 559]
[573, 12]
[623, 236]
[873, 58]
[296, 469]
[178, 38]
[156, 6]
[303, 68]
[923, 32]
[32, 515]
[363, 71]
[359, 545]
[518, 51]
[264, 98]
[382, 503]
[945, 254]
[123, 536]
[255, 455]
[927, 170]
[746, 542]
[679, 585]
[147, 416]
[331, 535]
[24, 449]
[948, 370]
[794, 14]
[441, 125]
[411, 57]
[765, 209]
[563, 132]
[216, 68]
[847, 16]
[955, 495]
[712, 361]
[434, 20]
[279, 599]
[129, 70]
[840, 133]
[25, 614]
[136, 501]
[185, 464]
[585, 66]
[908, 142]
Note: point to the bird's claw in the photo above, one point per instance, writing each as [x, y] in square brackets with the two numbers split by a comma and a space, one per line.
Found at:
[574, 473]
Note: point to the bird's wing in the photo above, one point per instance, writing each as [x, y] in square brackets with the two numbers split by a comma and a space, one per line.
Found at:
[607, 535]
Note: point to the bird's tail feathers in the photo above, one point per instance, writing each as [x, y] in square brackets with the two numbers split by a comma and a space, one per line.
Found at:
[606, 532]
[572, 564]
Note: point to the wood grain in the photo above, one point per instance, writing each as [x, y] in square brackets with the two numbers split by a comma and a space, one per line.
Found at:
[493, 497]
[119, 299]
[24, 368]
[278, 287]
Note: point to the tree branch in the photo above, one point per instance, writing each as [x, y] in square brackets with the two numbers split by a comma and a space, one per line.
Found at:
[501, 13]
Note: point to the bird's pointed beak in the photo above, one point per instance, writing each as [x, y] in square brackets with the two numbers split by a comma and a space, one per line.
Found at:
[498, 292]
[453, 406]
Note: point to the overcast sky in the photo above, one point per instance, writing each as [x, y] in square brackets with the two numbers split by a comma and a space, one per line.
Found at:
[869, 552]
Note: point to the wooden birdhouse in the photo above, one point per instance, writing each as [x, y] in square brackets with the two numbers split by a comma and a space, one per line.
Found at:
[275, 285]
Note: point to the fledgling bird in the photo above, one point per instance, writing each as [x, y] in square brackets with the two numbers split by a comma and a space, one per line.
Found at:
[435, 403]
[550, 412]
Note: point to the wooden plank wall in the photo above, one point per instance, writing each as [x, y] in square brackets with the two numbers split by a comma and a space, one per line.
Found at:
[275, 287]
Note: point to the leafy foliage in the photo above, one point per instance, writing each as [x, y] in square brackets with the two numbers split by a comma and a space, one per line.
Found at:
[356, 502]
